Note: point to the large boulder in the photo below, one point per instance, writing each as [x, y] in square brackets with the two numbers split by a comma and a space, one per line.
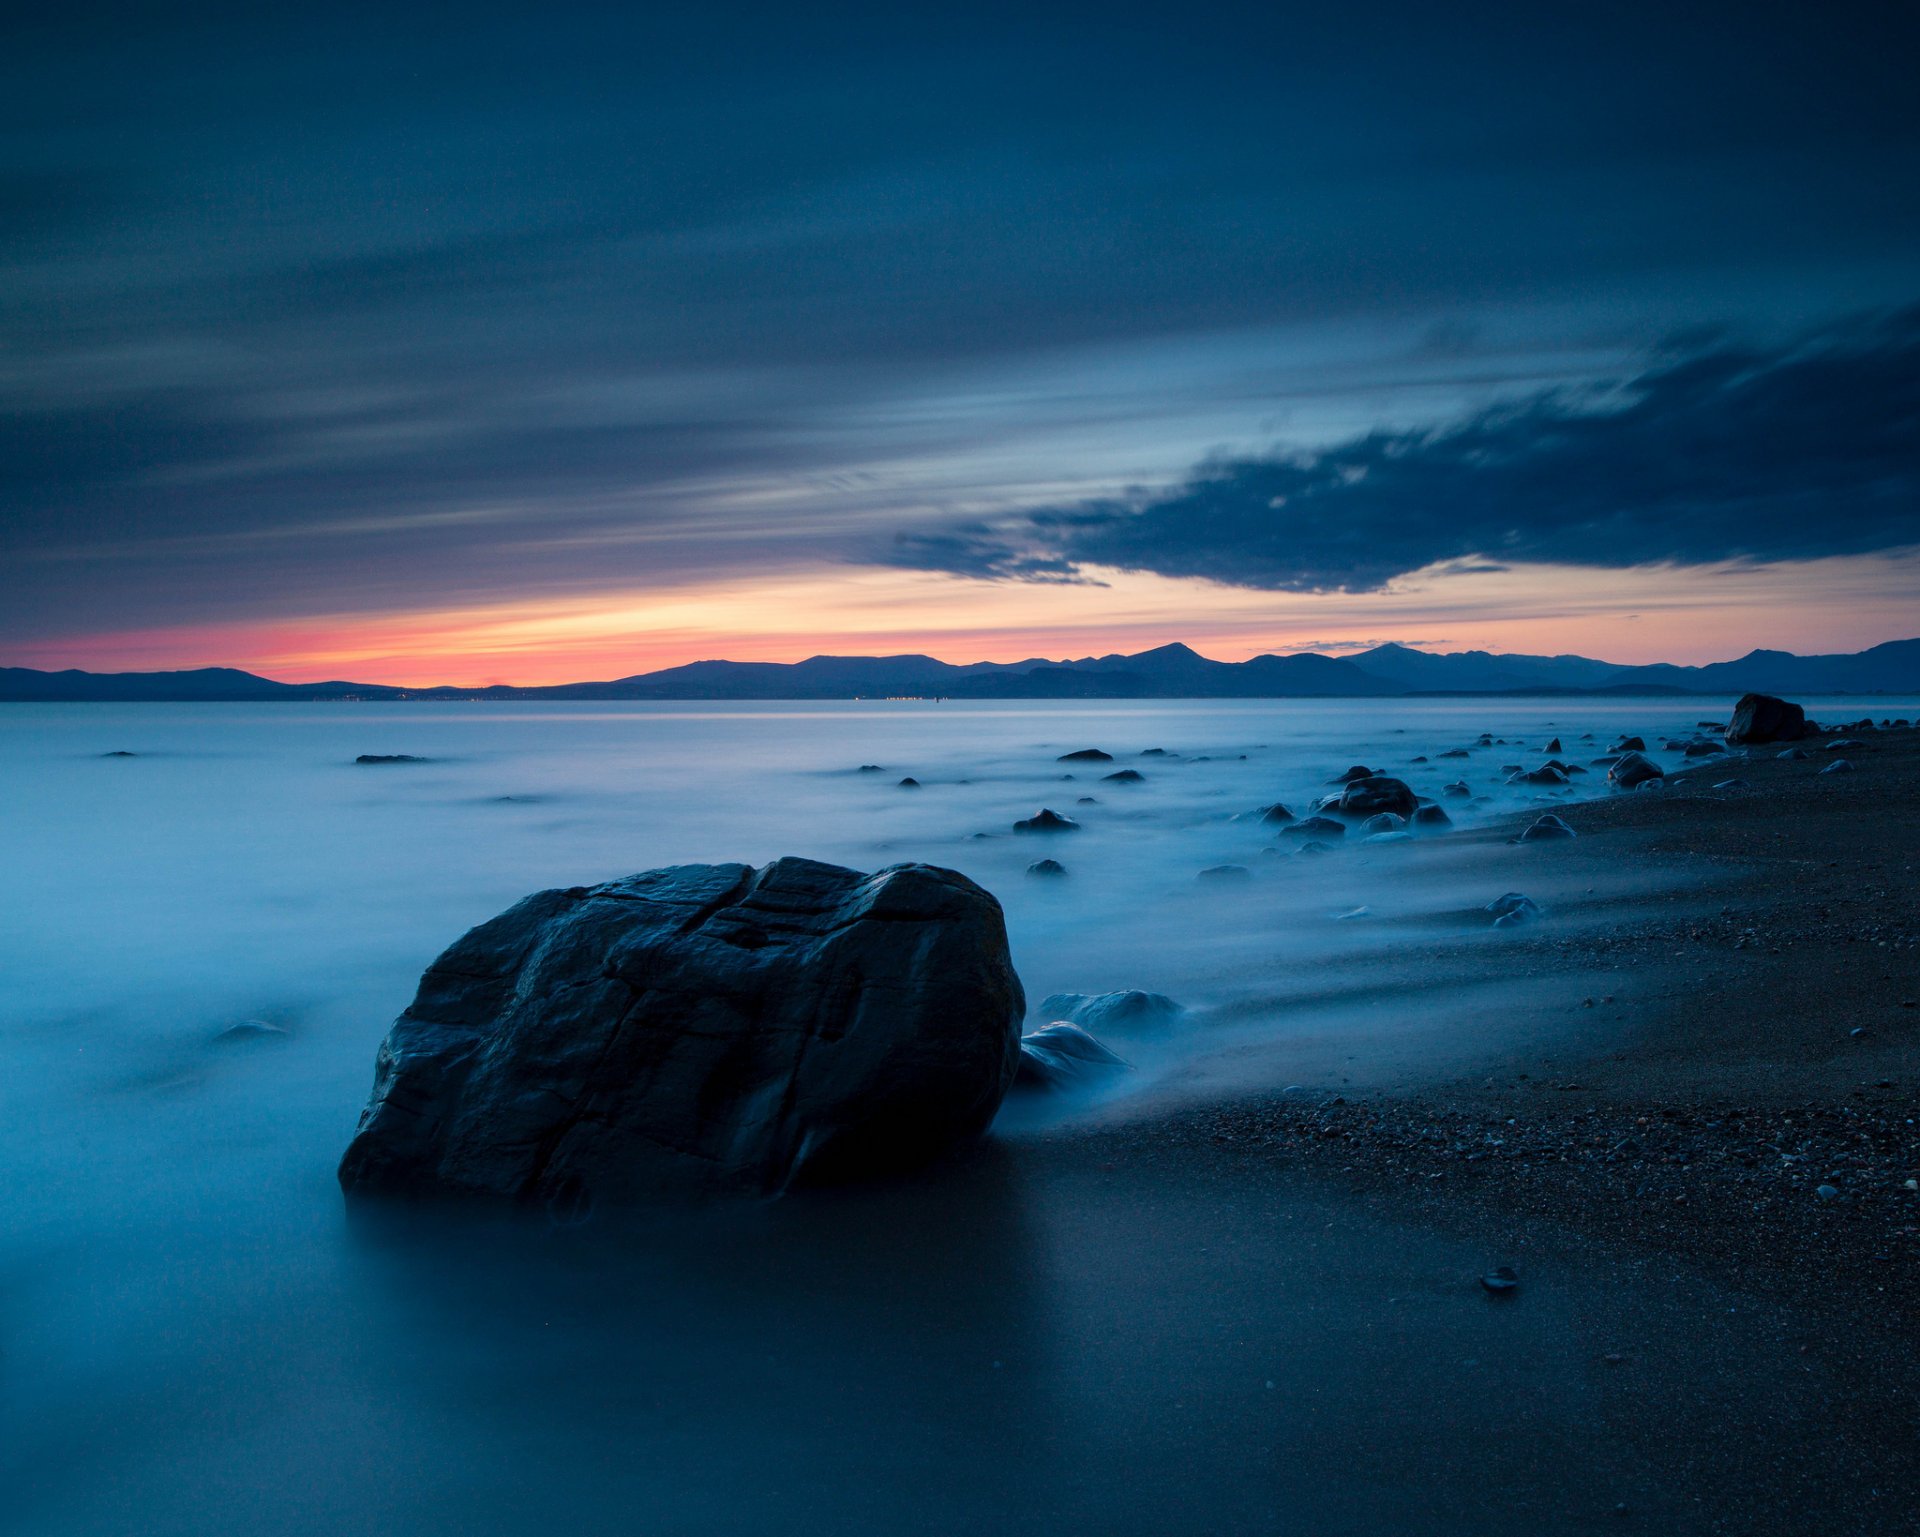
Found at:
[696, 1030]
[1375, 794]
[1762, 718]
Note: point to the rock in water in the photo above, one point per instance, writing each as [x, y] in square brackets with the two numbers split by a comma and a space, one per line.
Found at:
[1514, 910]
[1631, 770]
[1546, 827]
[1315, 827]
[1377, 793]
[1546, 774]
[1431, 819]
[1762, 718]
[1384, 822]
[1064, 1056]
[1047, 867]
[1226, 873]
[697, 1030]
[1108, 1012]
[1125, 777]
[1085, 755]
[388, 757]
[1046, 821]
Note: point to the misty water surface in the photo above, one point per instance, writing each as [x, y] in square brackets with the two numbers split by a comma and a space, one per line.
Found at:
[196, 1338]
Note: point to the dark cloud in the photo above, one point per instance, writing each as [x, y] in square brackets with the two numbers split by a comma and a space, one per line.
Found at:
[1728, 453]
[316, 309]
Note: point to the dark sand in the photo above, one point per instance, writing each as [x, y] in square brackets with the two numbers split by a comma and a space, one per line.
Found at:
[1691, 1129]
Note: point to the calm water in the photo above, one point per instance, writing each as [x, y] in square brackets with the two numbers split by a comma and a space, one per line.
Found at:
[195, 1338]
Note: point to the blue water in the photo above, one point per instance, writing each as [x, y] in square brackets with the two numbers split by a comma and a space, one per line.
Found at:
[195, 1338]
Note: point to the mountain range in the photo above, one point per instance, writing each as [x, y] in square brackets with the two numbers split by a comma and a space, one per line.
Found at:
[1173, 671]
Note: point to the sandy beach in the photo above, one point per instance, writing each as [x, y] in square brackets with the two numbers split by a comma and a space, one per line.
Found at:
[1713, 1087]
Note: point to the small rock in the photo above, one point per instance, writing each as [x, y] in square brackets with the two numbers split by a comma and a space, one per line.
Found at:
[1827, 1192]
[1631, 770]
[1431, 819]
[1046, 821]
[1383, 822]
[1225, 873]
[909, 783]
[1047, 867]
[1125, 777]
[1315, 827]
[1062, 1056]
[388, 757]
[250, 1030]
[1514, 909]
[1838, 766]
[1501, 1280]
[1547, 827]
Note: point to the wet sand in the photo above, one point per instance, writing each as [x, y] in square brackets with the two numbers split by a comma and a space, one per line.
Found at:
[1708, 1091]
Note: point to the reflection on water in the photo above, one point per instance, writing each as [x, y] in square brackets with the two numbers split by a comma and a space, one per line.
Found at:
[194, 1338]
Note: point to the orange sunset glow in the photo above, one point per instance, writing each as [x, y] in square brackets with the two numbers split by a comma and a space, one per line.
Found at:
[1643, 615]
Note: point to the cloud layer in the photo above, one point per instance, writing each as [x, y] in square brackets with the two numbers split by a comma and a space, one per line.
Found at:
[1728, 453]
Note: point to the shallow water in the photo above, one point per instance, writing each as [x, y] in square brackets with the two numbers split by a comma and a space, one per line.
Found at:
[196, 1339]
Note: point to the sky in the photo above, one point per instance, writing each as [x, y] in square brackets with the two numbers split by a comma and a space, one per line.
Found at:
[534, 344]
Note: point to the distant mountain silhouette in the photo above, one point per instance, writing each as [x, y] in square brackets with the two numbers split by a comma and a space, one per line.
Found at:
[1166, 672]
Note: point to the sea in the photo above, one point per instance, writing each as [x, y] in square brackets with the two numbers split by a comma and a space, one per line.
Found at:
[209, 915]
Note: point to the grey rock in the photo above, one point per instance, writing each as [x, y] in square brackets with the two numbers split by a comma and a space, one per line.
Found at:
[1545, 775]
[1315, 827]
[1046, 867]
[1358, 772]
[1458, 790]
[1125, 777]
[1632, 769]
[1545, 828]
[388, 757]
[1367, 797]
[1763, 718]
[1514, 910]
[1838, 766]
[694, 1031]
[1062, 1056]
[1085, 755]
[1226, 873]
[1112, 1013]
[1431, 819]
[1046, 821]
[1383, 822]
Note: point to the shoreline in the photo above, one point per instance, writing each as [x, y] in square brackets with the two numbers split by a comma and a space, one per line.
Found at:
[1749, 1094]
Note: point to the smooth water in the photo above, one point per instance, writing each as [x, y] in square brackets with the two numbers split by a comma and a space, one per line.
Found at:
[195, 1338]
